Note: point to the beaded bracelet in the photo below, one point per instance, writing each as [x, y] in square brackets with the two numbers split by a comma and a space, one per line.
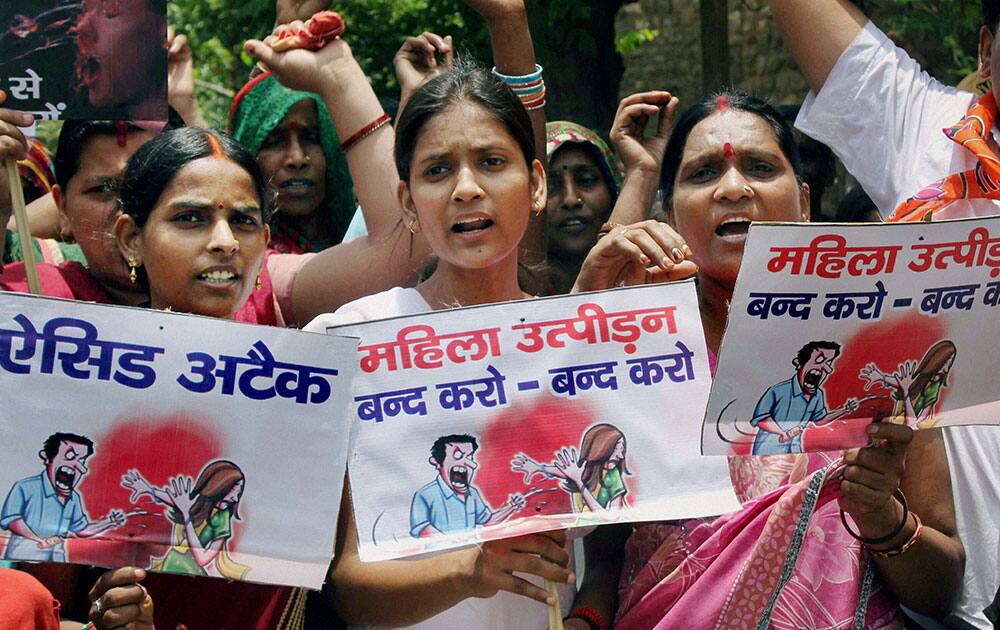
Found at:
[898, 551]
[364, 132]
[593, 618]
[881, 539]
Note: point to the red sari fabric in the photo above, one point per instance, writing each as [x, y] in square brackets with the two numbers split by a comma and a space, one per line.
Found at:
[70, 281]
[25, 604]
[198, 603]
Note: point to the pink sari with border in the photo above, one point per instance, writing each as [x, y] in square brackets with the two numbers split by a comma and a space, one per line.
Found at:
[784, 561]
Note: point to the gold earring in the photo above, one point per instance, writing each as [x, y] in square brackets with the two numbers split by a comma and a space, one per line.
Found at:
[132, 264]
[257, 283]
[412, 226]
[538, 209]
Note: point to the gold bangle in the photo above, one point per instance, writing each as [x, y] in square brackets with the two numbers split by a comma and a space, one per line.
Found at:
[898, 551]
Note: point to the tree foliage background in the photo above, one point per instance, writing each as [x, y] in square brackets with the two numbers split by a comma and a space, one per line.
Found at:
[375, 29]
[575, 39]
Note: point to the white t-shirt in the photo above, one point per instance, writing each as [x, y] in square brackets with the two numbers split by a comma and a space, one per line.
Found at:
[504, 610]
[883, 117]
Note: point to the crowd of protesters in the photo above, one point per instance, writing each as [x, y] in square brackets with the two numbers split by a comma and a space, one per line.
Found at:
[315, 208]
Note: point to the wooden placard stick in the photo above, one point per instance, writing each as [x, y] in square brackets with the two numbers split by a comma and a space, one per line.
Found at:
[555, 610]
[21, 220]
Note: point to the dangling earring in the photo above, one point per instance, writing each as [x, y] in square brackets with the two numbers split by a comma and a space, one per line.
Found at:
[132, 264]
[257, 282]
[412, 225]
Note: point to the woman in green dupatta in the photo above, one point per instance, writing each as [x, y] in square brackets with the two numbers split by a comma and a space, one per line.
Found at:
[298, 150]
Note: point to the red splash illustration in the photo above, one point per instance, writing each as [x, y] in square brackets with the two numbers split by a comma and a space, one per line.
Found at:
[887, 344]
[538, 430]
[161, 448]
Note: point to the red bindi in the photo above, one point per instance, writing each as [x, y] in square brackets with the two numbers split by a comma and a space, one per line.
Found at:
[222, 206]
[293, 125]
[727, 150]
[122, 127]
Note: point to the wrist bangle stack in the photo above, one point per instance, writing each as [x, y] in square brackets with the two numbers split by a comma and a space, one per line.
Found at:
[881, 540]
[364, 132]
[593, 618]
[530, 88]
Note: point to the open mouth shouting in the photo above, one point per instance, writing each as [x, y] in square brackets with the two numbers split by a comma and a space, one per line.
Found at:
[733, 229]
[574, 224]
[812, 379]
[65, 479]
[297, 186]
[459, 478]
[472, 225]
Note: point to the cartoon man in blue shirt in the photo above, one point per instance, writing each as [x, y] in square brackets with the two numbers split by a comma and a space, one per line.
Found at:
[40, 512]
[787, 408]
[451, 503]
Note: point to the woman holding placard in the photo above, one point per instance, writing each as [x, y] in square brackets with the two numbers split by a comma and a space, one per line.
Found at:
[465, 152]
[731, 160]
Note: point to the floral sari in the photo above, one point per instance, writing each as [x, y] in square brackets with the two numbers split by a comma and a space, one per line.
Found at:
[784, 561]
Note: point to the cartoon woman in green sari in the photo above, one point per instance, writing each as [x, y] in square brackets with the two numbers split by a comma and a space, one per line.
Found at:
[202, 512]
[594, 478]
[916, 387]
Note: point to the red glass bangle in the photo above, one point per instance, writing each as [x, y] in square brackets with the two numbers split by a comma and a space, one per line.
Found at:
[364, 132]
[891, 553]
[593, 618]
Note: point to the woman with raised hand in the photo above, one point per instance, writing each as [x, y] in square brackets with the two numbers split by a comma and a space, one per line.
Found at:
[298, 150]
[732, 160]
[470, 181]
[295, 288]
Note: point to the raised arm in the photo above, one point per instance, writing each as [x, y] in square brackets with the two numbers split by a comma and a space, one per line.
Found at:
[817, 32]
[180, 79]
[386, 256]
[642, 156]
[514, 55]
[334, 74]
[12, 146]
[417, 61]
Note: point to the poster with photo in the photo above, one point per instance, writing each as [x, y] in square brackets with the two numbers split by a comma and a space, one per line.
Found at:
[95, 59]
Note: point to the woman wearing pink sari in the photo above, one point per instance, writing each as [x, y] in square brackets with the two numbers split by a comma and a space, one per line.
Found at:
[786, 560]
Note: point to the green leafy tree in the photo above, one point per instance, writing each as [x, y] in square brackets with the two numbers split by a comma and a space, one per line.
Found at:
[574, 40]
